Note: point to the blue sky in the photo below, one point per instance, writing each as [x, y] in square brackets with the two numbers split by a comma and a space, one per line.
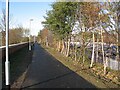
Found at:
[22, 12]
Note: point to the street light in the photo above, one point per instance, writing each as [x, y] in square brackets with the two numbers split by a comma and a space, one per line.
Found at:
[34, 39]
[29, 35]
[7, 64]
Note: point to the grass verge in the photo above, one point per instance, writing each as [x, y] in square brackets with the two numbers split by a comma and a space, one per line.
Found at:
[84, 71]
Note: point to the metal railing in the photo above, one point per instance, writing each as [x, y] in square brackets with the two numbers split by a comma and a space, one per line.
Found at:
[14, 44]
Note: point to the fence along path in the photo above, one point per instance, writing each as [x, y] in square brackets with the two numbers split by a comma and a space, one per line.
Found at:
[113, 64]
[12, 48]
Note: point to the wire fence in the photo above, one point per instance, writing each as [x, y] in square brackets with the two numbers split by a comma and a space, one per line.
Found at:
[113, 64]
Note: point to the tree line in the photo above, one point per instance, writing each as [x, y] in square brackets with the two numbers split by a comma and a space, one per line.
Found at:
[16, 35]
[95, 23]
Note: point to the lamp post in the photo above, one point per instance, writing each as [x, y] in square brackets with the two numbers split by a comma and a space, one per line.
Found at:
[7, 64]
[34, 39]
[29, 36]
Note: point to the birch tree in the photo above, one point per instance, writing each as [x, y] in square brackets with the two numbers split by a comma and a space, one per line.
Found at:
[88, 17]
[61, 20]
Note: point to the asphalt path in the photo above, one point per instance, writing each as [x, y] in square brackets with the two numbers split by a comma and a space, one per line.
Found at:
[0, 73]
[47, 72]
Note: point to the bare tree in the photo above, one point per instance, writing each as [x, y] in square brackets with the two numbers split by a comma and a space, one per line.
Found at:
[2, 20]
[2, 26]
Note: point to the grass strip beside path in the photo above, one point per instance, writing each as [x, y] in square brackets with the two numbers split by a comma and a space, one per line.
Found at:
[77, 66]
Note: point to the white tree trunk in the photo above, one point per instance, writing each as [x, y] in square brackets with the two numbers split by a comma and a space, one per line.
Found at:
[75, 52]
[117, 57]
[103, 54]
[68, 48]
[66, 44]
[118, 32]
[92, 60]
[59, 45]
[97, 51]
[83, 55]
[39, 40]
[105, 65]
[63, 47]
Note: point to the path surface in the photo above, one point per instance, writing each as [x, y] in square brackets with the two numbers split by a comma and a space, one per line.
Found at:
[47, 72]
[0, 73]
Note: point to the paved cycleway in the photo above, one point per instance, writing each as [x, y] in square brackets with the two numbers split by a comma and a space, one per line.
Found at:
[47, 72]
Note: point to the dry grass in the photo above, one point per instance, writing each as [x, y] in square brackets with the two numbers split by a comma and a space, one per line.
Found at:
[84, 71]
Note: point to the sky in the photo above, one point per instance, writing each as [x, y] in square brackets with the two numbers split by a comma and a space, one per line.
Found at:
[22, 12]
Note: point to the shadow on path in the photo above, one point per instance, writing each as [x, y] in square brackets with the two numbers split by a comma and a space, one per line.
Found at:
[47, 72]
[19, 62]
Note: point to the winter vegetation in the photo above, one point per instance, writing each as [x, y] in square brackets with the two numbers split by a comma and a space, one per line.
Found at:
[86, 32]
[16, 35]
